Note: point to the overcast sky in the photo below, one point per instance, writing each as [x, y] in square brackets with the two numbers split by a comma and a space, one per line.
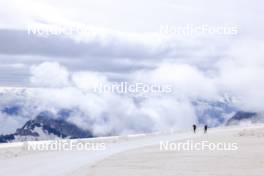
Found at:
[136, 41]
[125, 35]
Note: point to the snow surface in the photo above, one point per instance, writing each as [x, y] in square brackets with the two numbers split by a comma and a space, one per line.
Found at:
[15, 160]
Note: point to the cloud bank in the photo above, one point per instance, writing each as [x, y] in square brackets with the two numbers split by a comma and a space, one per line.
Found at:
[60, 71]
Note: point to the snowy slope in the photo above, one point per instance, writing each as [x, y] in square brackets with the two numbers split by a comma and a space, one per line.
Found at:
[16, 161]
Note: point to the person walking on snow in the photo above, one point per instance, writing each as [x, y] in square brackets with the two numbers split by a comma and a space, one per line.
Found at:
[205, 128]
[194, 128]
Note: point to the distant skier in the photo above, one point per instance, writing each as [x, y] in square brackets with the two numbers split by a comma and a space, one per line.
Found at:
[194, 128]
[205, 128]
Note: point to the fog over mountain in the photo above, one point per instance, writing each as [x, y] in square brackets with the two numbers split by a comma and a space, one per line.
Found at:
[194, 98]
[210, 76]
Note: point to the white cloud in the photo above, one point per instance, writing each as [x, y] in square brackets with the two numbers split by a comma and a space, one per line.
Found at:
[122, 43]
[88, 80]
[49, 74]
[109, 112]
[187, 81]
[241, 74]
